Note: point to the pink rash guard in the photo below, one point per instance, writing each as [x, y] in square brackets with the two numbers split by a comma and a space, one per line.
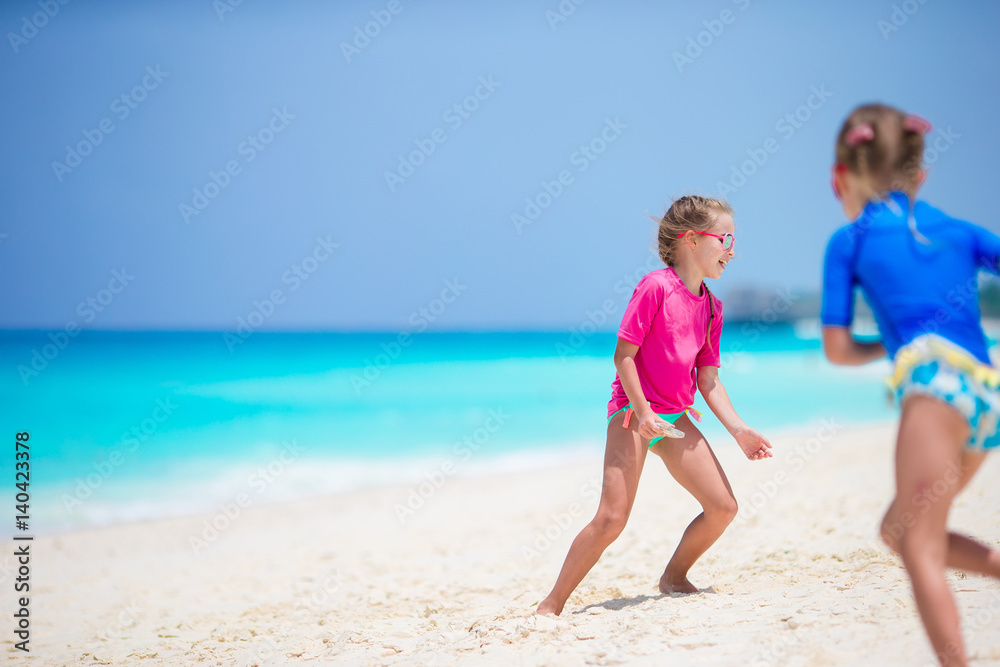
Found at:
[668, 323]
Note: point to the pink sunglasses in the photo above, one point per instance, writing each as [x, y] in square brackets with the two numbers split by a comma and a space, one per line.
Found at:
[728, 240]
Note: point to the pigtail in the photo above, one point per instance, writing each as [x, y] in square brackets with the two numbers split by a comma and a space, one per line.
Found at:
[864, 170]
[914, 128]
[711, 316]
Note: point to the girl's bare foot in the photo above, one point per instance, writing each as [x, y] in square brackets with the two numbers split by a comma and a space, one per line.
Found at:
[545, 608]
[671, 584]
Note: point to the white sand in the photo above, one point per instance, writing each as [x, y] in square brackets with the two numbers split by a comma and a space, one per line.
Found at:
[799, 581]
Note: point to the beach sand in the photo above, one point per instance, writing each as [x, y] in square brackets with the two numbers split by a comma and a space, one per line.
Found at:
[798, 579]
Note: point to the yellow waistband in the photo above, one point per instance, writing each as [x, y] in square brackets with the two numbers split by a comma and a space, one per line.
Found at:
[930, 348]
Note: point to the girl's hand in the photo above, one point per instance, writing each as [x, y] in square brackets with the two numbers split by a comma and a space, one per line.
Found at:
[648, 427]
[753, 444]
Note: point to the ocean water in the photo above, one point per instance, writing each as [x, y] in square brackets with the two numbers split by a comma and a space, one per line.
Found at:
[130, 426]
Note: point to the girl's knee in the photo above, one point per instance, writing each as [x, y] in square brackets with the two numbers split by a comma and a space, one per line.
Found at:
[912, 551]
[890, 533]
[921, 548]
[610, 522]
[889, 538]
[891, 530]
[723, 512]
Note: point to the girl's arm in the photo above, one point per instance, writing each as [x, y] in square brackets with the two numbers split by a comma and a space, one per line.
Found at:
[753, 444]
[837, 310]
[625, 363]
[841, 347]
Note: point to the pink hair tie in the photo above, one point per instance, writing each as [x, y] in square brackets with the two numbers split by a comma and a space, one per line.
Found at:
[859, 134]
[916, 124]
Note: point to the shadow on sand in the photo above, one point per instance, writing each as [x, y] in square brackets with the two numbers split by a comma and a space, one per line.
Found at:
[618, 604]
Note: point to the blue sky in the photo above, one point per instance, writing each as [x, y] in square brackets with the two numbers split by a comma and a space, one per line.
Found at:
[281, 138]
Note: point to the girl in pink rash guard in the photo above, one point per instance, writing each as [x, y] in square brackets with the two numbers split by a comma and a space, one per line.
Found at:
[668, 344]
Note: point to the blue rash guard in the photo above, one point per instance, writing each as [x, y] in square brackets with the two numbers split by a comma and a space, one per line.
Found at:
[913, 287]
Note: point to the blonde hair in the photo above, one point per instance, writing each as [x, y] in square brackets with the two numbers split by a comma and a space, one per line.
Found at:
[884, 147]
[691, 212]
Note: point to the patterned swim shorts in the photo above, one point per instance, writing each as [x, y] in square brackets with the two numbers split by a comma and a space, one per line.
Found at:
[933, 366]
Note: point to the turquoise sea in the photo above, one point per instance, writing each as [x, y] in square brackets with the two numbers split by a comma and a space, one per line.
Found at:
[129, 426]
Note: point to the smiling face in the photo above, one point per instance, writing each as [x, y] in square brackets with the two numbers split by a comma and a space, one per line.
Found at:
[684, 243]
[708, 253]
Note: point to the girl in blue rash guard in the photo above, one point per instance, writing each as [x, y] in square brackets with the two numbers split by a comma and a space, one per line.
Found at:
[917, 267]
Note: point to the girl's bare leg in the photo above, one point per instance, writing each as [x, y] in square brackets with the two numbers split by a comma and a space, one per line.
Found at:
[964, 553]
[692, 463]
[930, 443]
[623, 458]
